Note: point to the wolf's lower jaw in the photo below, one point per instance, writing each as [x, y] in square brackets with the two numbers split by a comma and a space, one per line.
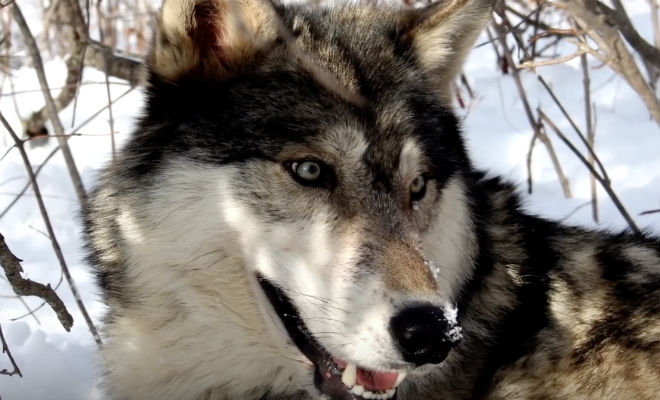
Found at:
[332, 376]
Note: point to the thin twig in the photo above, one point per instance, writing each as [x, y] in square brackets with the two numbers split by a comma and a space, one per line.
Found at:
[527, 18]
[575, 127]
[604, 183]
[5, 349]
[112, 120]
[537, 21]
[649, 212]
[27, 185]
[52, 108]
[60, 88]
[55, 150]
[51, 232]
[29, 310]
[591, 136]
[537, 128]
[553, 61]
[552, 32]
[576, 209]
[530, 152]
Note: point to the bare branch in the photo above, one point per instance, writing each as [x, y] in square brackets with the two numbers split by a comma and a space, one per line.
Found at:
[618, 57]
[530, 153]
[620, 19]
[49, 227]
[604, 183]
[575, 127]
[85, 52]
[26, 287]
[56, 149]
[118, 66]
[552, 32]
[553, 61]
[27, 185]
[50, 105]
[35, 124]
[538, 131]
[649, 212]
[591, 136]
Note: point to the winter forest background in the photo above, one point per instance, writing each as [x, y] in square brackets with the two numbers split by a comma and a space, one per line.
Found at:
[561, 96]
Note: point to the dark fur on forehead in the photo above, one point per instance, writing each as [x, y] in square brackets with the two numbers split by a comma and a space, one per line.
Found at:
[278, 101]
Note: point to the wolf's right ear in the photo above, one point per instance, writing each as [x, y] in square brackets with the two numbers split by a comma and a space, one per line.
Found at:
[209, 38]
[442, 34]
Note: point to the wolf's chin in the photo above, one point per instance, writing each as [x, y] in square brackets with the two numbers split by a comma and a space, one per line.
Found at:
[336, 378]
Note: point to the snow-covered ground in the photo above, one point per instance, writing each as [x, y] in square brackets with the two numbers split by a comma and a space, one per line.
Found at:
[60, 365]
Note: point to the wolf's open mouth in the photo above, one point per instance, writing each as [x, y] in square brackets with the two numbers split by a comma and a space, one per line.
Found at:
[338, 379]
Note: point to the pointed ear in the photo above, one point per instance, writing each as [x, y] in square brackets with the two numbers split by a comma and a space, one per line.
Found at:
[209, 38]
[444, 33]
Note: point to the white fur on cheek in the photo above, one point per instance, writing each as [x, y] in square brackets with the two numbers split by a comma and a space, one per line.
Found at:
[315, 268]
[450, 243]
[194, 289]
[315, 263]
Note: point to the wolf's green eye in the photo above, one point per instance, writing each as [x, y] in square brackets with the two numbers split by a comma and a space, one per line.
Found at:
[418, 188]
[311, 172]
[307, 170]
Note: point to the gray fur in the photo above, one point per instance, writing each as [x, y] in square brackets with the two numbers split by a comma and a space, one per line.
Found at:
[202, 198]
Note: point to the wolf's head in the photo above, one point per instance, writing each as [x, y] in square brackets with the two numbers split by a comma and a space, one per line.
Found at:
[290, 215]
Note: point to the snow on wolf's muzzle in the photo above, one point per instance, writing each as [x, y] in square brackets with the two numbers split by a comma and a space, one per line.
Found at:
[423, 334]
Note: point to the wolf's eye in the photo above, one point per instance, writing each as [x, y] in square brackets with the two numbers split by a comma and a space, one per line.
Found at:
[418, 188]
[307, 170]
[311, 173]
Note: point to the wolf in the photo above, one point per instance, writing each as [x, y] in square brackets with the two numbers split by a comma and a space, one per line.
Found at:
[296, 216]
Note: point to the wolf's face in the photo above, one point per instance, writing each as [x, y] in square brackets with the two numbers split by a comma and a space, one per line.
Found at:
[299, 192]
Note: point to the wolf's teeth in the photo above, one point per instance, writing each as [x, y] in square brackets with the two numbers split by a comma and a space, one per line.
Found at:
[349, 376]
[357, 390]
[400, 378]
[349, 379]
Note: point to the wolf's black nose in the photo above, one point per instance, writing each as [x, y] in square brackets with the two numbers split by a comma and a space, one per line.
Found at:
[421, 334]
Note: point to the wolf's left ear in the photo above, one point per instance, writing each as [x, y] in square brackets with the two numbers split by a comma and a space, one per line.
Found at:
[209, 38]
[444, 33]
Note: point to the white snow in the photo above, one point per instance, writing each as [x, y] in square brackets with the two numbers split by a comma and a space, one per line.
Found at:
[55, 364]
[60, 365]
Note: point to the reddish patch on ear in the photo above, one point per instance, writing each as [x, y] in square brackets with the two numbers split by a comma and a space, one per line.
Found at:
[207, 32]
[208, 39]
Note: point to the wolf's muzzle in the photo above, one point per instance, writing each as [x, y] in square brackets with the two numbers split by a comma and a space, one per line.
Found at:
[420, 332]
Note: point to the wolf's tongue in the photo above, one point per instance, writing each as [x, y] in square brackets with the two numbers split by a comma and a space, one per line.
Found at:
[376, 381]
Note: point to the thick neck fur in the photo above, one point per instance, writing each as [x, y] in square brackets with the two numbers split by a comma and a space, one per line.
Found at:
[534, 301]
